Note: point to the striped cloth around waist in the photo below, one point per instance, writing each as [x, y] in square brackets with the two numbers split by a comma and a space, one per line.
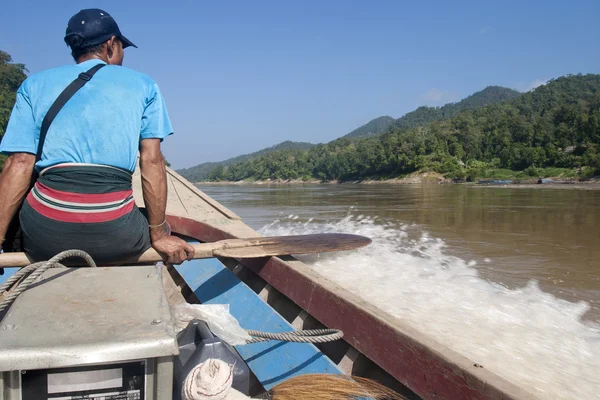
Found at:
[82, 193]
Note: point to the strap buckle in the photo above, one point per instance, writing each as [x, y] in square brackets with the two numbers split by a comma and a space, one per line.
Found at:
[85, 76]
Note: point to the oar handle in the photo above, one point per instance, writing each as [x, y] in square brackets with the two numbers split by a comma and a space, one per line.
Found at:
[15, 259]
[202, 250]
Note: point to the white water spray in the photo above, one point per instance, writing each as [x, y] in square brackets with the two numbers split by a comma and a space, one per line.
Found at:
[525, 335]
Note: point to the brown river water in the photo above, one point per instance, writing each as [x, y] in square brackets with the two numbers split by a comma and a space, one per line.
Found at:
[509, 277]
[515, 235]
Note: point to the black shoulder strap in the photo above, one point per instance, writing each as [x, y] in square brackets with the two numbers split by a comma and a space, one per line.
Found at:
[59, 103]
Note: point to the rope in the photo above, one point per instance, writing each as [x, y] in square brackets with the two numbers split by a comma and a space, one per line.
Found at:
[211, 380]
[310, 336]
[32, 272]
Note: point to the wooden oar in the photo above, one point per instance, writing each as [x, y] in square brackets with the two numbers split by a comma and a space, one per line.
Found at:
[241, 248]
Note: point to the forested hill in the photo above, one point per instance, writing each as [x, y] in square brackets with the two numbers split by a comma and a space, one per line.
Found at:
[424, 115]
[371, 128]
[201, 172]
[377, 126]
[11, 77]
[555, 126]
[486, 97]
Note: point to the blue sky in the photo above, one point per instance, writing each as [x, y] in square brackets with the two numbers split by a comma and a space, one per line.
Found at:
[239, 76]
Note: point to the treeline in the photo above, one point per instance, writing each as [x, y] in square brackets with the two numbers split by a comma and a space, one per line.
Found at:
[202, 171]
[557, 125]
[11, 77]
[371, 128]
[488, 96]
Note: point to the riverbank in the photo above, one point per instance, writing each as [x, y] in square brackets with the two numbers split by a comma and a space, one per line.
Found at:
[569, 186]
[426, 178]
[417, 177]
[573, 186]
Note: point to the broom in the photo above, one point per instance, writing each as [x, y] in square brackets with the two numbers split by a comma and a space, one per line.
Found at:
[213, 379]
[330, 387]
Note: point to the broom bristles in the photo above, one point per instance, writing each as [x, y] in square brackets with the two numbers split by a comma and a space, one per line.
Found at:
[331, 387]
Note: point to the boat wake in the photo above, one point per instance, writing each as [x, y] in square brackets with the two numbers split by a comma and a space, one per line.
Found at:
[527, 336]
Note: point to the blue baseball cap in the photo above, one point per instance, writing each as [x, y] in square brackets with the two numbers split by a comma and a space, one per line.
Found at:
[95, 27]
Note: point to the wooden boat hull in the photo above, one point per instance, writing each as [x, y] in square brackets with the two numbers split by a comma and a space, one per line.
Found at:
[376, 345]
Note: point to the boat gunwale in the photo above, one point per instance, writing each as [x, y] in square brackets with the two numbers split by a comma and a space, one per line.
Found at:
[426, 366]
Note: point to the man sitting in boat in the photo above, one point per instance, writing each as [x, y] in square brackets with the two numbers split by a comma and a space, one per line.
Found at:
[83, 196]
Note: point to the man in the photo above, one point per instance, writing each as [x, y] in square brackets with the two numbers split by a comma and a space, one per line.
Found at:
[83, 196]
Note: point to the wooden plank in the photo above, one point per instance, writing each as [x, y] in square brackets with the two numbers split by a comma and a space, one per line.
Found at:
[272, 362]
[185, 199]
[218, 206]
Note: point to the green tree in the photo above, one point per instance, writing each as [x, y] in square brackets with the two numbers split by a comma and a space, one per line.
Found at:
[11, 77]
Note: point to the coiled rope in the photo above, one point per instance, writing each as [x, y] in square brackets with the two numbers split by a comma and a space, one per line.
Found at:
[10, 289]
[309, 336]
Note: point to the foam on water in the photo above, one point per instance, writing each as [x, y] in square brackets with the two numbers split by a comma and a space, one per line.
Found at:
[525, 335]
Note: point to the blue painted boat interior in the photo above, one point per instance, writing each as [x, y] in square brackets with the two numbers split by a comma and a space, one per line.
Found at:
[272, 362]
[8, 272]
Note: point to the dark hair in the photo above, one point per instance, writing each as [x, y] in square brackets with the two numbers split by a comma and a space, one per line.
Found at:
[80, 47]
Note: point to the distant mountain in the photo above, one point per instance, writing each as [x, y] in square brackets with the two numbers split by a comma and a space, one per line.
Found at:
[421, 116]
[486, 97]
[549, 131]
[200, 172]
[371, 128]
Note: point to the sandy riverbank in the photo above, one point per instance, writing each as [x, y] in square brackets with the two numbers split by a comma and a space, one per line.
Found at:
[428, 178]
[422, 178]
[571, 186]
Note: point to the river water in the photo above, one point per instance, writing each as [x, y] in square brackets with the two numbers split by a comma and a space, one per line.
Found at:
[509, 277]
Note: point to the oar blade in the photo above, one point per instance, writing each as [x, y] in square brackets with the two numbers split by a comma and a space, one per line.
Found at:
[297, 244]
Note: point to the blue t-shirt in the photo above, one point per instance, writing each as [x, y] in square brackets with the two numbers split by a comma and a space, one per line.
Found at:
[102, 123]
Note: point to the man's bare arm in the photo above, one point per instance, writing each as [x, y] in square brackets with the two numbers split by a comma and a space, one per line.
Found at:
[154, 180]
[154, 189]
[14, 184]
